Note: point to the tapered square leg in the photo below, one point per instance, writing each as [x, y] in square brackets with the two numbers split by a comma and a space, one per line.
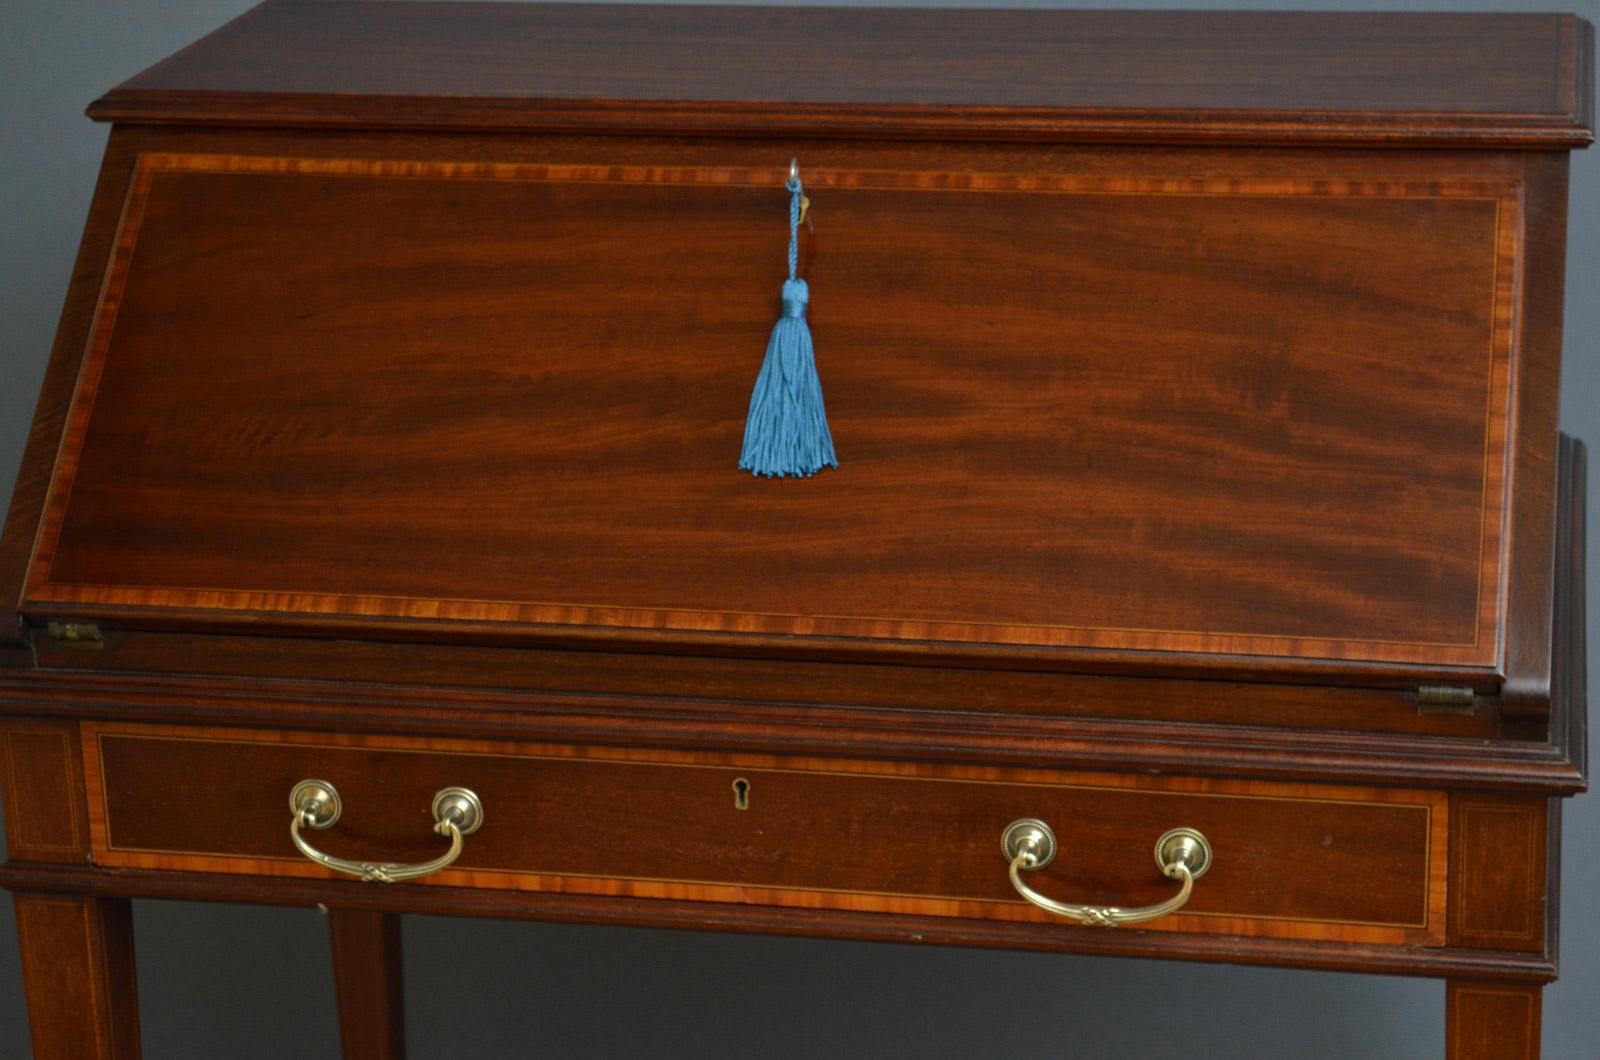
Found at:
[368, 980]
[77, 971]
[1490, 1020]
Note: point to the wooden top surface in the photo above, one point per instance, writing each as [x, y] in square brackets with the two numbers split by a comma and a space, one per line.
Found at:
[1486, 79]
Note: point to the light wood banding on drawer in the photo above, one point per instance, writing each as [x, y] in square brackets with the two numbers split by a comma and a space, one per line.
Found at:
[1292, 861]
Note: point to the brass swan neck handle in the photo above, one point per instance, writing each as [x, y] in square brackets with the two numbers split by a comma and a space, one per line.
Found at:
[1182, 854]
[457, 813]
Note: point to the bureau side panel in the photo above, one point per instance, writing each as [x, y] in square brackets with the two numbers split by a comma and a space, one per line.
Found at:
[1502, 894]
[84, 298]
[41, 779]
[1531, 572]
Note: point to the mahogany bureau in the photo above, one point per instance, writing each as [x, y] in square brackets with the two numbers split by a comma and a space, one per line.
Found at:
[1200, 576]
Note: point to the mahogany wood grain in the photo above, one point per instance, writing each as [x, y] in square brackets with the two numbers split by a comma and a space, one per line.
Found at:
[1569, 679]
[390, 444]
[1488, 1020]
[368, 978]
[1552, 877]
[1548, 759]
[641, 676]
[1207, 525]
[439, 900]
[1040, 159]
[1195, 749]
[1174, 76]
[72, 337]
[1296, 861]
[41, 781]
[1531, 516]
[78, 974]
[1499, 885]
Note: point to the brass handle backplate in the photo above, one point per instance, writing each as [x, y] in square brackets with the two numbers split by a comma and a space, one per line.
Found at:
[1182, 854]
[457, 813]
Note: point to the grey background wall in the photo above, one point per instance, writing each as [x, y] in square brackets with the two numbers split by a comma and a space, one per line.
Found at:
[243, 982]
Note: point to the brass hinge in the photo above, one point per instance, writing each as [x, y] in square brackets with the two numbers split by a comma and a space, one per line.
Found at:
[75, 634]
[1445, 699]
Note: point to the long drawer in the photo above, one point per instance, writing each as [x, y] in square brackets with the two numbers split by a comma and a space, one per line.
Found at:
[1290, 860]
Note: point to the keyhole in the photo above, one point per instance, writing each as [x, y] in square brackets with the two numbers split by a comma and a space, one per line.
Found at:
[741, 794]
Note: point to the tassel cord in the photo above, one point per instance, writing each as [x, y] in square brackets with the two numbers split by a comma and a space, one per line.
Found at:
[796, 194]
[786, 432]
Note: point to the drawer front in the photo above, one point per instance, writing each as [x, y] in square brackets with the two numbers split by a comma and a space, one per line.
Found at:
[1291, 861]
[1099, 403]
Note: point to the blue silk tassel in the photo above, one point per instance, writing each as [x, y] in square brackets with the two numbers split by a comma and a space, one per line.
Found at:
[786, 433]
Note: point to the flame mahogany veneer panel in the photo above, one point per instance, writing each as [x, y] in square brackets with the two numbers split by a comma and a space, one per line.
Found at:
[1292, 861]
[1262, 417]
